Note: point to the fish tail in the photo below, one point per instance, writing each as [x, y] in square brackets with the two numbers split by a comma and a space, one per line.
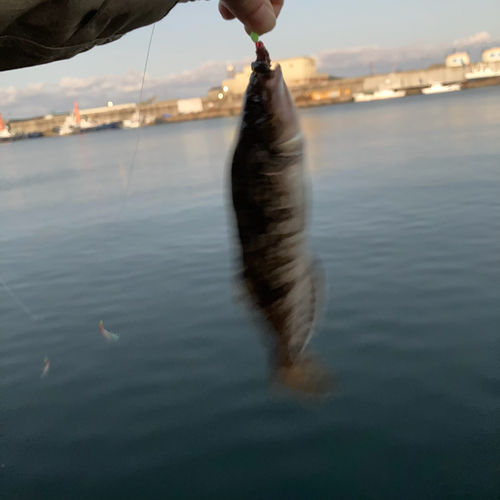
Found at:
[305, 375]
[101, 326]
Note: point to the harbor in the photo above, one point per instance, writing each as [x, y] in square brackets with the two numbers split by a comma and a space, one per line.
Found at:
[309, 88]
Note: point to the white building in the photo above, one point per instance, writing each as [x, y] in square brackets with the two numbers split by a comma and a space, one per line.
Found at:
[457, 59]
[187, 106]
[491, 55]
[296, 71]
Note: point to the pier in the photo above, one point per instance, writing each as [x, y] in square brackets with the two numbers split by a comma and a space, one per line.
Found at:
[315, 90]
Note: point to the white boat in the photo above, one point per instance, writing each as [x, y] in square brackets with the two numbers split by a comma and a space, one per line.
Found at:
[438, 88]
[72, 126]
[482, 72]
[378, 95]
[75, 124]
[5, 135]
[131, 124]
[134, 122]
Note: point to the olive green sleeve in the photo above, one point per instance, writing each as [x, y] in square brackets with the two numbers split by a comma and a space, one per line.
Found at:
[36, 32]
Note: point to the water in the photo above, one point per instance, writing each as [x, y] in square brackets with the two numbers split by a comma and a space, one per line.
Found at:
[406, 221]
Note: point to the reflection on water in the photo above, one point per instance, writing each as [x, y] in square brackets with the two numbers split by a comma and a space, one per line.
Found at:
[406, 222]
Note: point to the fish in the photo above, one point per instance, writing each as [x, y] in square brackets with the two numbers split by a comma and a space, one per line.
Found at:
[45, 368]
[278, 271]
[110, 336]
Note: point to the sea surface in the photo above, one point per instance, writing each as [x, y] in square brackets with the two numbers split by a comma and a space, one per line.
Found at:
[406, 222]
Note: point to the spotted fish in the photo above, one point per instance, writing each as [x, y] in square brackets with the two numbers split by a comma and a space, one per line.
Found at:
[269, 198]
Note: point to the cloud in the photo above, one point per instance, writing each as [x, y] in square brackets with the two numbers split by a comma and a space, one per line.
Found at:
[477, 39]
[356, 61]
[40, 98]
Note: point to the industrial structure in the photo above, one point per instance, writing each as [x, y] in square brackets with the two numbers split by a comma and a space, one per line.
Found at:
[491, 55]
[307, 86]
[457, 60]
[297, 72]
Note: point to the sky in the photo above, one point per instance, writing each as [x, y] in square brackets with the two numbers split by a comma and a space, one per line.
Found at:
[193, 44]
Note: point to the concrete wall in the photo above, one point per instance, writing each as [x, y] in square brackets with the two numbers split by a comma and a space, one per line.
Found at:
[107, 114]
[160, 108]
[419, 78]
[40, 124]
[98, 116]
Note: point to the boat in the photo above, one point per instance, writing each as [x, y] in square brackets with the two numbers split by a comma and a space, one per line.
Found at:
[482, 72]
[5, 135]
[379, 95]
[438, 88]
[134, 122]
[131, 124]
[76, 124]
[103, 126]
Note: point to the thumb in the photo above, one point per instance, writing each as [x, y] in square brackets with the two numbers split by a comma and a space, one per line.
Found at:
[256, 15]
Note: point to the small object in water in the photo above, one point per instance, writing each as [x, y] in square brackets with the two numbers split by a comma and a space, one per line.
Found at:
[270, 204]
[108, 335]
[254, 37]
[46, 367]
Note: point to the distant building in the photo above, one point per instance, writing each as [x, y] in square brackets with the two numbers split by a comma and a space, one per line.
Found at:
[108, 114]
[187, 106]
[44, 124]
[297, 71]
[491, 55]
[457, 59]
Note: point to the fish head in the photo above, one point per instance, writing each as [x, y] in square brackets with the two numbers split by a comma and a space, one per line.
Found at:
[269, 112]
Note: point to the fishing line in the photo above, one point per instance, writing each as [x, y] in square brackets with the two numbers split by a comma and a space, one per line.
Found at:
[18, 302]
[139, 129]
[129, 176]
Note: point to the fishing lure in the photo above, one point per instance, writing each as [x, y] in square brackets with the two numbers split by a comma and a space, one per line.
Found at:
[110, 336]
[46, 367]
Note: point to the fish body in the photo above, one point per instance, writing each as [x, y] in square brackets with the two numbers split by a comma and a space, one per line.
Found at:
[110, 336]
[269, 197]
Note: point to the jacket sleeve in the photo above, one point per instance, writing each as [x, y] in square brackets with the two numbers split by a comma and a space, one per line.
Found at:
[36, 32]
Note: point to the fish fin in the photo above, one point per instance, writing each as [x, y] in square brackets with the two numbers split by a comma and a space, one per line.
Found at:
[305, 376]
[316, 307]
[320, 285]
[101, 326]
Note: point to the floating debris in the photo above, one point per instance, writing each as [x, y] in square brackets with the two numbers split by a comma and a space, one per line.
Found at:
[45, 368]
[110, 336]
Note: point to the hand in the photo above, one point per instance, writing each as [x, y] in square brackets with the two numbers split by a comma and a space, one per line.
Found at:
[257, 15]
